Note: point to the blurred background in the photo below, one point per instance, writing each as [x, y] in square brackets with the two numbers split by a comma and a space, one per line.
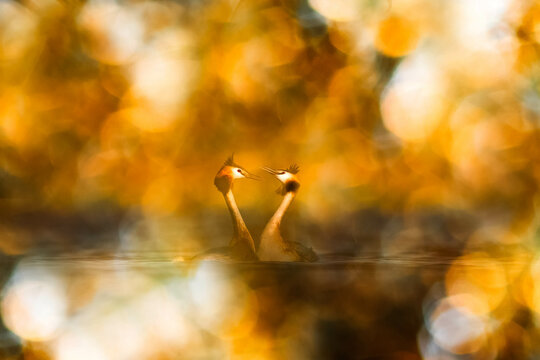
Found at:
[415, 124]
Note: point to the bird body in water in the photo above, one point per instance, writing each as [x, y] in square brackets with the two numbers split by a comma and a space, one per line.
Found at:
[241, 246]
[273, 247]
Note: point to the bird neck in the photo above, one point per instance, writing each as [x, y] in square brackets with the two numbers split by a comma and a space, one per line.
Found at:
[241, 233]
[278, 215]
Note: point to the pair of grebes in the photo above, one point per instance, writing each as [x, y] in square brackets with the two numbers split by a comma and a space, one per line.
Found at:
[272, 246]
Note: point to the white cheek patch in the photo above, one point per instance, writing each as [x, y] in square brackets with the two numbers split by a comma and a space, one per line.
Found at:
[284, 177]
[236, 174]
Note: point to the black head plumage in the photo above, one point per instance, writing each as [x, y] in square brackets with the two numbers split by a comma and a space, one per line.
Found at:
[293, 169]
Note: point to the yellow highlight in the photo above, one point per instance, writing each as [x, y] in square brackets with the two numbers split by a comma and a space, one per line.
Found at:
[396, 36]
[18, 31]
[149, 121]
[530, 288]
[225, 305]
[112, 34]
[161, 196]
[413, 103]
[338, 10]
[480, 277]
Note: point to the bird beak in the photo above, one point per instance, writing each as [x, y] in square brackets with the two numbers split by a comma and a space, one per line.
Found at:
[252, 176]
[269, 170]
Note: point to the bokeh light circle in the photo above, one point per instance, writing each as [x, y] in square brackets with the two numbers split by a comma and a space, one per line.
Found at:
[34, 306]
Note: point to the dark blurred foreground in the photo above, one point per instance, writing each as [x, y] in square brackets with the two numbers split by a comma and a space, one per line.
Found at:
[145, 307]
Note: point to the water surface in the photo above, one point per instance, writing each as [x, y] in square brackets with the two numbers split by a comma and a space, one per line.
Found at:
[157, 305]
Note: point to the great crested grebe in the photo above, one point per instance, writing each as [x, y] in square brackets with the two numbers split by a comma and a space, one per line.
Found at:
[273, 247]
[241, 246]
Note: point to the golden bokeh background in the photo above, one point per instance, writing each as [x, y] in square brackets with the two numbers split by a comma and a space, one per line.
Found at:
[416, 127]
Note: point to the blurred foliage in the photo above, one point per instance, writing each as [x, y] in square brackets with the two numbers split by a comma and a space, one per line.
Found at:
[396, 107]
[415, 124]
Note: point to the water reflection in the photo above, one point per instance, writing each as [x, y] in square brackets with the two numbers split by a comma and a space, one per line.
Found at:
[91, 307]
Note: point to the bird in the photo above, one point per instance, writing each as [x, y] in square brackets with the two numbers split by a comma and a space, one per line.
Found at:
[241, 246]
[272, 245]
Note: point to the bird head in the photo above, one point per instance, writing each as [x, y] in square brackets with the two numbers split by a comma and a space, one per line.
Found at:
[287, 177]
[229, 172]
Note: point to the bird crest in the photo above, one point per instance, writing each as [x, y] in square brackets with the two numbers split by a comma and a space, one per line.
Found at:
[293, 169]
[230, 162]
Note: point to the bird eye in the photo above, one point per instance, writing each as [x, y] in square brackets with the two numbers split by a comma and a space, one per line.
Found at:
[282, 173]
[240, 171]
